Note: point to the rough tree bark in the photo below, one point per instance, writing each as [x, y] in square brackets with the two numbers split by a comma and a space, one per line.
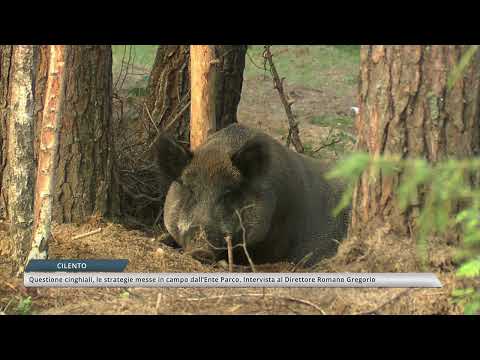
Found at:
[203, 73]
[407, 109]
[84, 165]
[40, 58]
[6, 52]
[229, 83]
[21, 167]
[47, 153]
[84, 181]
[168, 92]
[169, 87]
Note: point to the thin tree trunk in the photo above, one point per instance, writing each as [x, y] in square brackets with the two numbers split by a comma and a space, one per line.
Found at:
[169, 88]
[406, 108]
[47, 153]
[20, 153]
[203, 61]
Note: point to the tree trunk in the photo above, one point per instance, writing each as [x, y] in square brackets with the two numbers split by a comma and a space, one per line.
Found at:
[169, 88]
[406, 108]
[6, 52]
[84, 166]
[41, 59]
[203, 71]
[47, 152]
[169, 92]
[20, 152]
[229, 83]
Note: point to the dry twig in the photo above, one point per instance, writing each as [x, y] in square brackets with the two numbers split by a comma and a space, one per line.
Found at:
[244, 238]
[378, 308]
[228, 239]
[81, 236]
[273, 296]
[293, 133]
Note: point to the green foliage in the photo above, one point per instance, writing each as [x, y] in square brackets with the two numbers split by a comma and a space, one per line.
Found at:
[437, 187]
[24, 306]
[469, 298]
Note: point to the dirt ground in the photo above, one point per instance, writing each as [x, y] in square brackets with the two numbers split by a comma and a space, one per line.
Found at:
[260, 107]
[320, 112]
[147, 254]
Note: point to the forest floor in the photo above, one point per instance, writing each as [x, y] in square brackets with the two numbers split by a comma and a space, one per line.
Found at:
[323, 82]
[146, 254]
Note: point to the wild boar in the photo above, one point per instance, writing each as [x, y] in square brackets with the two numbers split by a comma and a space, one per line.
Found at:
[245, 185]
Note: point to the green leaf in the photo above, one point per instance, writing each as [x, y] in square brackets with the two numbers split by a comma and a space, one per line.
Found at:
[350, 168]
[24, 306]
[346, 199]
[463, 292]
[470, 269]
[472, 308]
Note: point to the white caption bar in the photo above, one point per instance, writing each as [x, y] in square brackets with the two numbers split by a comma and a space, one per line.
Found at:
[234, 280]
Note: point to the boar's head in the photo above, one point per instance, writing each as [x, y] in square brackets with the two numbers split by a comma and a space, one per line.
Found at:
[217, 193]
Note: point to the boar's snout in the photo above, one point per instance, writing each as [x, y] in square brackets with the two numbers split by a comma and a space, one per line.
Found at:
[202, 244]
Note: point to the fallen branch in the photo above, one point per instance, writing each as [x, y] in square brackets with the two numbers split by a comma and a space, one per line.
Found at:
[378, 308]
[273, 296]
[81, 236]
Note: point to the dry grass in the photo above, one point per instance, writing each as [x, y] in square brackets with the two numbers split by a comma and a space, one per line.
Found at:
[145, 254]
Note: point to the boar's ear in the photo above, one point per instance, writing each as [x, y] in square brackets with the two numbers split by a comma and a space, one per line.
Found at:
[253, 158]
[170, 156]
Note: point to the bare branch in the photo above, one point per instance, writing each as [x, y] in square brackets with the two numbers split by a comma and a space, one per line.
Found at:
[293, 134]
[244, 237]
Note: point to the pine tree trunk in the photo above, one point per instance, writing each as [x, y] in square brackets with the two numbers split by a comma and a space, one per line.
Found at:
[203, 72]
[84, 183]
[41, 59]
[21, 170]
[407, 109]
[229, 83]
[168, 99]
[6, 52]
[84, 166]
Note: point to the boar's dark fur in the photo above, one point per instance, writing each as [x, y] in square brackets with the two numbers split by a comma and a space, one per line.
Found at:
[284, 201]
